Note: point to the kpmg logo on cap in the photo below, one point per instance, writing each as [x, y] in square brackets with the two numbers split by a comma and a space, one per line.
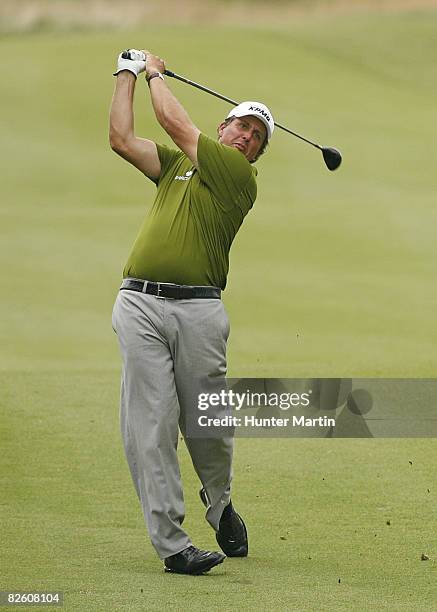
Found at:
[261, 111]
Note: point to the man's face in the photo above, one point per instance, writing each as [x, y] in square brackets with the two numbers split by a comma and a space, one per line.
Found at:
[247, 134]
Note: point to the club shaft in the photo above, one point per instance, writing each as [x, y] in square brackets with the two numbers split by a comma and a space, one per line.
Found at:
[282, 127]
[202, 87]
[172, 74]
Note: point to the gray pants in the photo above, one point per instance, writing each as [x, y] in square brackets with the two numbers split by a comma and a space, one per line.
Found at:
[165, 345]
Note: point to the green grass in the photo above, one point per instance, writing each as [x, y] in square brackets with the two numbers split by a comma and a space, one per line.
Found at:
[317, 512]
[331, 275]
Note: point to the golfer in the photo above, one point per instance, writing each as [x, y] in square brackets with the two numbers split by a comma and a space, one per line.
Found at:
[168, 315]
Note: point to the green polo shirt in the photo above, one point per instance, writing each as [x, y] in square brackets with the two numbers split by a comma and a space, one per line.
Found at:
[186, 236]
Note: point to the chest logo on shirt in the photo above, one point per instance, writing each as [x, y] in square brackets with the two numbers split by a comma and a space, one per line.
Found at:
[186, 176]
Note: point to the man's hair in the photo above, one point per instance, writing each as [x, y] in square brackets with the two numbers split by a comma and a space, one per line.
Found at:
[263, 146]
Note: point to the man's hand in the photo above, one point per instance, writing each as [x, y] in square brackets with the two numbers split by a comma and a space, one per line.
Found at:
[153, 63]
[134, 65]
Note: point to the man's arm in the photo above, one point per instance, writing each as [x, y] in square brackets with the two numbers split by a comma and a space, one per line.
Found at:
[139, 152]
[170, 113]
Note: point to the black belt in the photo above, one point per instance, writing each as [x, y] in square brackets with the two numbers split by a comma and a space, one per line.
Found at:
[176, 292]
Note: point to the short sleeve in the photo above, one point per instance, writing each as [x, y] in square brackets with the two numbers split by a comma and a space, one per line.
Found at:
[226, 172]
[167, 157]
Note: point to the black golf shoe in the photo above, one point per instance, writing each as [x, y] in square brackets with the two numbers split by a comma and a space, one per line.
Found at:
[232, 534]
[193, 561]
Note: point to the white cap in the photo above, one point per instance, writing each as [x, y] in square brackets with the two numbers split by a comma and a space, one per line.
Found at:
[257, 109]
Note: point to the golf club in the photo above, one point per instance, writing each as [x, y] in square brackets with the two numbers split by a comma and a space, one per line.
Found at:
[331, 156]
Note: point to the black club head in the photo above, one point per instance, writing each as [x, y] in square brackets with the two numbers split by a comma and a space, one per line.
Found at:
[332, 157]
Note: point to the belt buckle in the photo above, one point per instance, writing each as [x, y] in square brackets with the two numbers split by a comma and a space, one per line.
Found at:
[158, 291]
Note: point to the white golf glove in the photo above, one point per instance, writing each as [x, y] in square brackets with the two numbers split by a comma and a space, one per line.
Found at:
[136, 64]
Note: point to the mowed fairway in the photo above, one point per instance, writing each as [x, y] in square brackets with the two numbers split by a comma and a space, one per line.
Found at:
[333, 274]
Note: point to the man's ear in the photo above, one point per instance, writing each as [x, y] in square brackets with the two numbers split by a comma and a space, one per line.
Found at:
[220, 128]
